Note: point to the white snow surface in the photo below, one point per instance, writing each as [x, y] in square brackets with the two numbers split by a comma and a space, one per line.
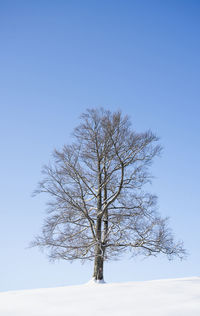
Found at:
[170, 297]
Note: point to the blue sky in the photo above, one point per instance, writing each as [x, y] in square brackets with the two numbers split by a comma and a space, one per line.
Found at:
[58, 58]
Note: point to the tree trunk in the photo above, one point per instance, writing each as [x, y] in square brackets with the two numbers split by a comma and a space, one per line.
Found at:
[98, 264]
[99, 253]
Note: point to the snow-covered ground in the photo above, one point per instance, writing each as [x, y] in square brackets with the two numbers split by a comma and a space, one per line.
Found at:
[175, 297]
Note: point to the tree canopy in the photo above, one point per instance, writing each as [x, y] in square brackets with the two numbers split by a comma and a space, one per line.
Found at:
[98, 208]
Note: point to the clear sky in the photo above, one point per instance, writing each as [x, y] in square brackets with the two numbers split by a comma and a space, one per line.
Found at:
[58, 58]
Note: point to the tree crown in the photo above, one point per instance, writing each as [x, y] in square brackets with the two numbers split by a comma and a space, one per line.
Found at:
[98, 206]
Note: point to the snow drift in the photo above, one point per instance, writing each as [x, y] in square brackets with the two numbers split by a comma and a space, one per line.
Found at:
[175, 297]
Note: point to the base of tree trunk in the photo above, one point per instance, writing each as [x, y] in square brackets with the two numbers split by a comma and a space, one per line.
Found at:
[98, 268]
[94, 281]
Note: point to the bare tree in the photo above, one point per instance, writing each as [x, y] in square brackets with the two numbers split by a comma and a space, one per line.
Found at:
[98, 209]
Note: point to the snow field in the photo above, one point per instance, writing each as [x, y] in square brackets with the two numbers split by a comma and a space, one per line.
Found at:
[171, 297]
